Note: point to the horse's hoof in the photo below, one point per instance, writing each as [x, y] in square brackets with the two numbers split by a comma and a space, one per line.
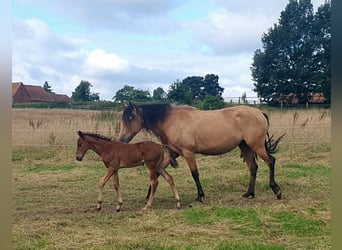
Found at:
[248, 195]
[278, 195]
[200, 199]
[98, 208]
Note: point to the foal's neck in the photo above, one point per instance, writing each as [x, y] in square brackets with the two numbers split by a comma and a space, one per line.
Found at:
[99, 146]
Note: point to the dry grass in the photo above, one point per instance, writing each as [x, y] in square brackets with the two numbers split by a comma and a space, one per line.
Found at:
[55, 196]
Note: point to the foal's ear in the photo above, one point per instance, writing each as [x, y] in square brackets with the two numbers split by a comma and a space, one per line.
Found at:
[80, 133]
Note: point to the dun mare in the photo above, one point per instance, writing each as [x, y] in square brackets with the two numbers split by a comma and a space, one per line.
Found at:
[115, 155]
[188, 131]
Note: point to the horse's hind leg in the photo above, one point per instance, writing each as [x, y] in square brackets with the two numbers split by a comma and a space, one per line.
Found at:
[249, 157]
[270, 161]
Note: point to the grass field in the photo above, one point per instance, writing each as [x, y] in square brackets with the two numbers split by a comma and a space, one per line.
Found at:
[55, 197]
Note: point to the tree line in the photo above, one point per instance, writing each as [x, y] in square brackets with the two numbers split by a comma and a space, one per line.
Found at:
[204, 92]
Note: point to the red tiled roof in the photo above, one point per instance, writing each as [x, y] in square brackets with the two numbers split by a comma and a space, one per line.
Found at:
[15, 87]
[61, 98]
[38, 94]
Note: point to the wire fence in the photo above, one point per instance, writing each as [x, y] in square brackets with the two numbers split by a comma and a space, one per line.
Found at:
[312, 134]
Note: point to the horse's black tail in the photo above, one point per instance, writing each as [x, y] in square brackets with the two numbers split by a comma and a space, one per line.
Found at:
[172, 157]
[271, 144]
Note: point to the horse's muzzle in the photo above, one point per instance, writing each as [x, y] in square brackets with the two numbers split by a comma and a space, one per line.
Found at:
[79, 158]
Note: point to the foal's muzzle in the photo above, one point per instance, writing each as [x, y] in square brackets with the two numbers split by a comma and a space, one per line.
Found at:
[79, 158]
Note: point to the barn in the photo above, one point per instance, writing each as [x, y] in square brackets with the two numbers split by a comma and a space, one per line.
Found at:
[29, 93]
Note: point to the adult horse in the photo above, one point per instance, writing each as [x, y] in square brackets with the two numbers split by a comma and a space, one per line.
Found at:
[187, 131]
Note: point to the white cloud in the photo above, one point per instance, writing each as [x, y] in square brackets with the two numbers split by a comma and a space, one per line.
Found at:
[232, 33]
[99, 61]
[111, 43]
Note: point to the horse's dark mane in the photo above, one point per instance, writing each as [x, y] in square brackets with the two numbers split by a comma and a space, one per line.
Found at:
[97, 136]
[151, 114]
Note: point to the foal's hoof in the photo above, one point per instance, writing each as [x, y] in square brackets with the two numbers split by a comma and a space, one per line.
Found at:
[248, 195]
[178, 205]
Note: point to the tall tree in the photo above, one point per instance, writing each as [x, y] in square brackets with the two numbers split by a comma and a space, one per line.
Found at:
[321, 36]
[82, 92]
[287, 62]
[47, 87]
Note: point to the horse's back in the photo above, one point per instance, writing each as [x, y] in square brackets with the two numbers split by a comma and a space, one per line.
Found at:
[216, 131]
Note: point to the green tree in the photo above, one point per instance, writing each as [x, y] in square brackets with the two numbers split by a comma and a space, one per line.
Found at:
[211, 102]
[193, 89]
[179, 93]
[159, 94]
[287, 62]
[129, 93]
[47, 87]
[82, 92]
[321, 36]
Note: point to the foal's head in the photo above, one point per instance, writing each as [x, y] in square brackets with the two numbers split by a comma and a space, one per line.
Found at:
[82, 146]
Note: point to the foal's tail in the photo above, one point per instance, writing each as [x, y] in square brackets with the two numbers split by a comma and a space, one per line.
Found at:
[271, 144]
[172, 157]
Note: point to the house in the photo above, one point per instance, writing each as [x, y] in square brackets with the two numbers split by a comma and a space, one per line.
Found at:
[19, 93]
[29, 93]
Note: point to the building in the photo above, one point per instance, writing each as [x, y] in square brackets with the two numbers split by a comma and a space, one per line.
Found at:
[28, 94]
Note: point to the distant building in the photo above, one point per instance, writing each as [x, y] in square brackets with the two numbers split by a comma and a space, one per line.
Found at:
[28, 93]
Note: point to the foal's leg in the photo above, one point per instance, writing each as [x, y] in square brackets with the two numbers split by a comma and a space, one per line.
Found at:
[169, 179]
[149, 191]
[153, 184]
[101, 185]
[249, 157]
[191, 161]
[117, 189]
[165, 163]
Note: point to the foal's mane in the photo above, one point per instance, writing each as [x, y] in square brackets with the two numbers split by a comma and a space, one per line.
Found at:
[97, 136]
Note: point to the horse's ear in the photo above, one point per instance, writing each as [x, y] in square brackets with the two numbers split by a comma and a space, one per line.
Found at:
[124, 105]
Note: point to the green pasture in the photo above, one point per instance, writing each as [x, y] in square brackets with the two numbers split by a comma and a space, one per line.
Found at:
[54, 201]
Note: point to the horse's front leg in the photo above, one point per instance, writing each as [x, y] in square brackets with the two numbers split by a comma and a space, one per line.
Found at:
[117, 189]
[191, 161]
[102, 183]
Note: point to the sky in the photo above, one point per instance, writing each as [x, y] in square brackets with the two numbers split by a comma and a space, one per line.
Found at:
[142, 43]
